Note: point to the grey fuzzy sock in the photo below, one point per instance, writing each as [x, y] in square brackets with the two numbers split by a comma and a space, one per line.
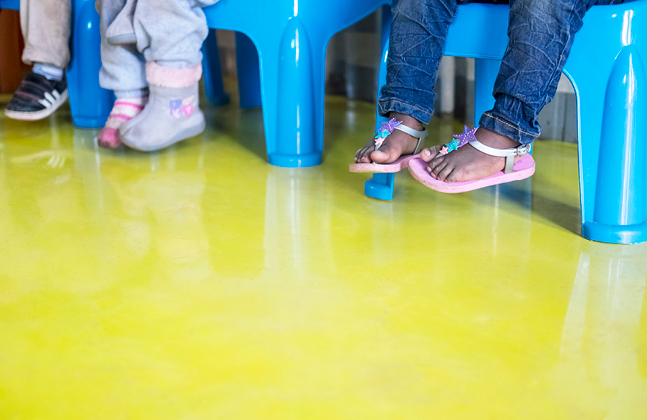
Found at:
[171, 115]
[122, 31]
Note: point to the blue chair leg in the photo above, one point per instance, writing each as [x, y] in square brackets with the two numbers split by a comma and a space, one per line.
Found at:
[289, 111]
[381, 186]
[386, 25]
[214, 90]
[249, 79]
[620, 194]
[486, 72]
[89, 103]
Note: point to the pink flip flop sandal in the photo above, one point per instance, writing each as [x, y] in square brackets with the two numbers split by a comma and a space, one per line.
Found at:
[399, 164]
[514, 171]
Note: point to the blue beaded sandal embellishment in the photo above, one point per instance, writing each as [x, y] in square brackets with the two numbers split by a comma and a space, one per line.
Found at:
[385, 130]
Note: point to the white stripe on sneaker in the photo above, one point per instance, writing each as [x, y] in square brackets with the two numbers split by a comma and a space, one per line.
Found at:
[45, 103]
[49, 97]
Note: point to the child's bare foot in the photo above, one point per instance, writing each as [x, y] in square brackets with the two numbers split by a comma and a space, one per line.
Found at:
[395, 145]
[467, 163]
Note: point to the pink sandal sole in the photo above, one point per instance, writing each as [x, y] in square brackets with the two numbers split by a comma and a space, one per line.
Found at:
[383, 168]
[523, 168]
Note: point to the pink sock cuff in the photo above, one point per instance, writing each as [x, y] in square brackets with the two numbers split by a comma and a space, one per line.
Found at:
[134, 105]
[121, 116]
[172, 78]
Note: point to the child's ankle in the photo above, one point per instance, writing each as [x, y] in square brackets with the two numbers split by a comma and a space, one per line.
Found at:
[49, 71]
[406, 120]
[131, 94]
[494, 139]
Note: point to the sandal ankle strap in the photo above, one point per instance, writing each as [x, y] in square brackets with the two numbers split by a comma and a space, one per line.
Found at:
[467, 137]
[508, 154]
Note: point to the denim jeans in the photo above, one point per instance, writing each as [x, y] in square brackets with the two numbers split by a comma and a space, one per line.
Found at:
[540, 35]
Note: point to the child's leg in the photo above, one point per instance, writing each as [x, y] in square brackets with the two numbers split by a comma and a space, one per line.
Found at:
[169, 34]
[45, 27]
[541, 34]
[417, 40]
[121, 30]
[122, 71]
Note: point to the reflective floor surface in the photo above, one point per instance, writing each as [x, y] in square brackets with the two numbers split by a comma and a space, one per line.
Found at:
[202, 283]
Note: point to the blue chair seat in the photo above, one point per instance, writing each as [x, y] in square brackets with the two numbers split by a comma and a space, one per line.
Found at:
[10, 4]
[291, 39]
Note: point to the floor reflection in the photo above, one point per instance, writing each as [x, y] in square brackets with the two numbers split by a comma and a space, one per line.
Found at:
[210, 284]
[602, 348]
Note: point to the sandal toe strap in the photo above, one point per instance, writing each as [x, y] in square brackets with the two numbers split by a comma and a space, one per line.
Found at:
[420, 135]
[392, 124]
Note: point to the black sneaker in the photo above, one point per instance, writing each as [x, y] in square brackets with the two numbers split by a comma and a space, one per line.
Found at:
[36, 98]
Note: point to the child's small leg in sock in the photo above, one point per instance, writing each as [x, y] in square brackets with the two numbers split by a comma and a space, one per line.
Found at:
[49, 71]
[123, 72]
[172, 113]
[128, 105]
[169, 34]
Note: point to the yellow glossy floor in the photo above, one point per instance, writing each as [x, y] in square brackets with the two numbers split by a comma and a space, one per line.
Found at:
[202, 283]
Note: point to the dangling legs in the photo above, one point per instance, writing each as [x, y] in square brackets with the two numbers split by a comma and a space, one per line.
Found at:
[417, 40]
[541, 34]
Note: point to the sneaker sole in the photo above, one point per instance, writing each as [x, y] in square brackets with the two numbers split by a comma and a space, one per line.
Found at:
[37, 115]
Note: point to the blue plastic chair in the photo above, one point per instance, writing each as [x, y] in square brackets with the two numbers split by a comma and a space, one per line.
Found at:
[90, 105]
[606, 68]
[10, 4]
[291, 39]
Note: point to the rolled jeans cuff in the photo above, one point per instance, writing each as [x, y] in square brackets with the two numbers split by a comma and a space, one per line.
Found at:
[387, 105]
[492, 121]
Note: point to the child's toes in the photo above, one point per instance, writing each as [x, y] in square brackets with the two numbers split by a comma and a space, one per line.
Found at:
[429, 153]
[445, 172]
[108, 138]
[435, 162]
[362, 155]
[386, 154]
[435, 170]
[438, 165]
[455, 175]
